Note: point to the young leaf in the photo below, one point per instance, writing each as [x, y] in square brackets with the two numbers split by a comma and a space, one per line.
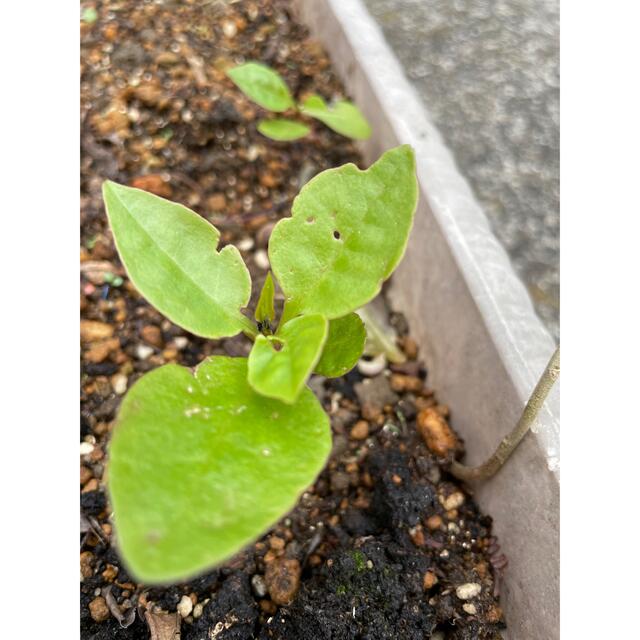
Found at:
[264, 308]
[282, 129]
[343, 117]
[170, 255]
[89, 15]
[348, 231]
[201, 465]
[262, 85]
[280, 365]
[343, 347]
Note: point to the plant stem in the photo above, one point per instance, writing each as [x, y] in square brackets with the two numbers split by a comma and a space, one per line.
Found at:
[512, 440]
[249, 329]
[380, 336]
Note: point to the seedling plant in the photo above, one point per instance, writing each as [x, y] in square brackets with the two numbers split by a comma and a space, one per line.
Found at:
[267, 88]
[203, 462]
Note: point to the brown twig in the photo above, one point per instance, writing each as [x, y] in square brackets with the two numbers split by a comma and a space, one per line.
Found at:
[511, 441]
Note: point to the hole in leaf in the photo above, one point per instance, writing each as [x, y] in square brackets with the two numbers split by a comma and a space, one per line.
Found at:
[336, 234]
[276, 345]
[311, 219]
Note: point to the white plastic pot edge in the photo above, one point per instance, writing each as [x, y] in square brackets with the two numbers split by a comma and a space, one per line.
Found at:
[523, 343]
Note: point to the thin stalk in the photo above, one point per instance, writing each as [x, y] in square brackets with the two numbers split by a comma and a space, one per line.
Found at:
[379, 335]
[511, 441]
[249, 329]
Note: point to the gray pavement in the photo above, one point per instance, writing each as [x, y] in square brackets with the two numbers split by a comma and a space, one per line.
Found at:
[488, 74]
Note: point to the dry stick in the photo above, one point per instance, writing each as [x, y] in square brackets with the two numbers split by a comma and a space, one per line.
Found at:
[511, 441]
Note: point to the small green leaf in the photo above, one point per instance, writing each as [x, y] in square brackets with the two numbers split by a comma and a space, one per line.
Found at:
[170, 255]
[200, 465]
[262, 85]
[264, 309]
[89, 15]
[343, 347]
[343, 117]
[282, 129]
[280, 365]
[348, 231]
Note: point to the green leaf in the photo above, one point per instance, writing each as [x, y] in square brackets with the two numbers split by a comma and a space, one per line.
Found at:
[200, 465]
[343, 117]
[89, 15]
[170, 255]
[343, 347]
[264, 309]
[280, 365]
[262, 85]
[282, 129]
[348, 231]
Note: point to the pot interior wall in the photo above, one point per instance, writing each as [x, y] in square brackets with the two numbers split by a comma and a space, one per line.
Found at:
[482, 343]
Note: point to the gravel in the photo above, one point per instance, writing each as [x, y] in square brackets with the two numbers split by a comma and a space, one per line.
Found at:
[468, 590]
[488, 74]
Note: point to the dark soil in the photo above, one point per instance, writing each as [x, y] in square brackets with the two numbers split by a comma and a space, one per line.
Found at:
[380, 546]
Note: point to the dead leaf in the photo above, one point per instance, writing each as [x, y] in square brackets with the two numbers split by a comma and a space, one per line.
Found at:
[163, 626]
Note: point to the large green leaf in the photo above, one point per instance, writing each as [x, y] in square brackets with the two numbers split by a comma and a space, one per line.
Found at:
[348, 231]
[280, 365]
[282, 129]
[343, 117]
[263, 85]
[265, 311]
[201, 465]
[344, 346]
[170, 255]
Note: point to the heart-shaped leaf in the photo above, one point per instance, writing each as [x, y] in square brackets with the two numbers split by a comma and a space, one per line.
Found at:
[282, 129]
[343, 117]
[344, 346]
[265, 311]
[263, 85]
[348, 231]
[280, 365]
[201, 465]
[170, 255]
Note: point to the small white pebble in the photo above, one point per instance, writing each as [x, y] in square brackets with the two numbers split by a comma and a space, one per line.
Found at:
[468, 590]
[253, 152]
[470, 608]
[245, 244]
[181, 342]
[455, 500]
[119, 383]
[261, 259]
[229, 28]
[371, 368]
[86, 448]
[143, 351]
[197, 610]
[258, 585]
[185, 606]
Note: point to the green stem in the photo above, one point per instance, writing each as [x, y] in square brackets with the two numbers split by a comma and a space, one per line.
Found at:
[383, 340]
[512, 440]
[249, 329]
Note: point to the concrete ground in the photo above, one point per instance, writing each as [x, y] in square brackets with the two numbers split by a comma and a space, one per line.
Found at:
[487, 71]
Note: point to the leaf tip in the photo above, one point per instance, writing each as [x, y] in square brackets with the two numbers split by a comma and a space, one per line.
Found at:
[107, 186]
